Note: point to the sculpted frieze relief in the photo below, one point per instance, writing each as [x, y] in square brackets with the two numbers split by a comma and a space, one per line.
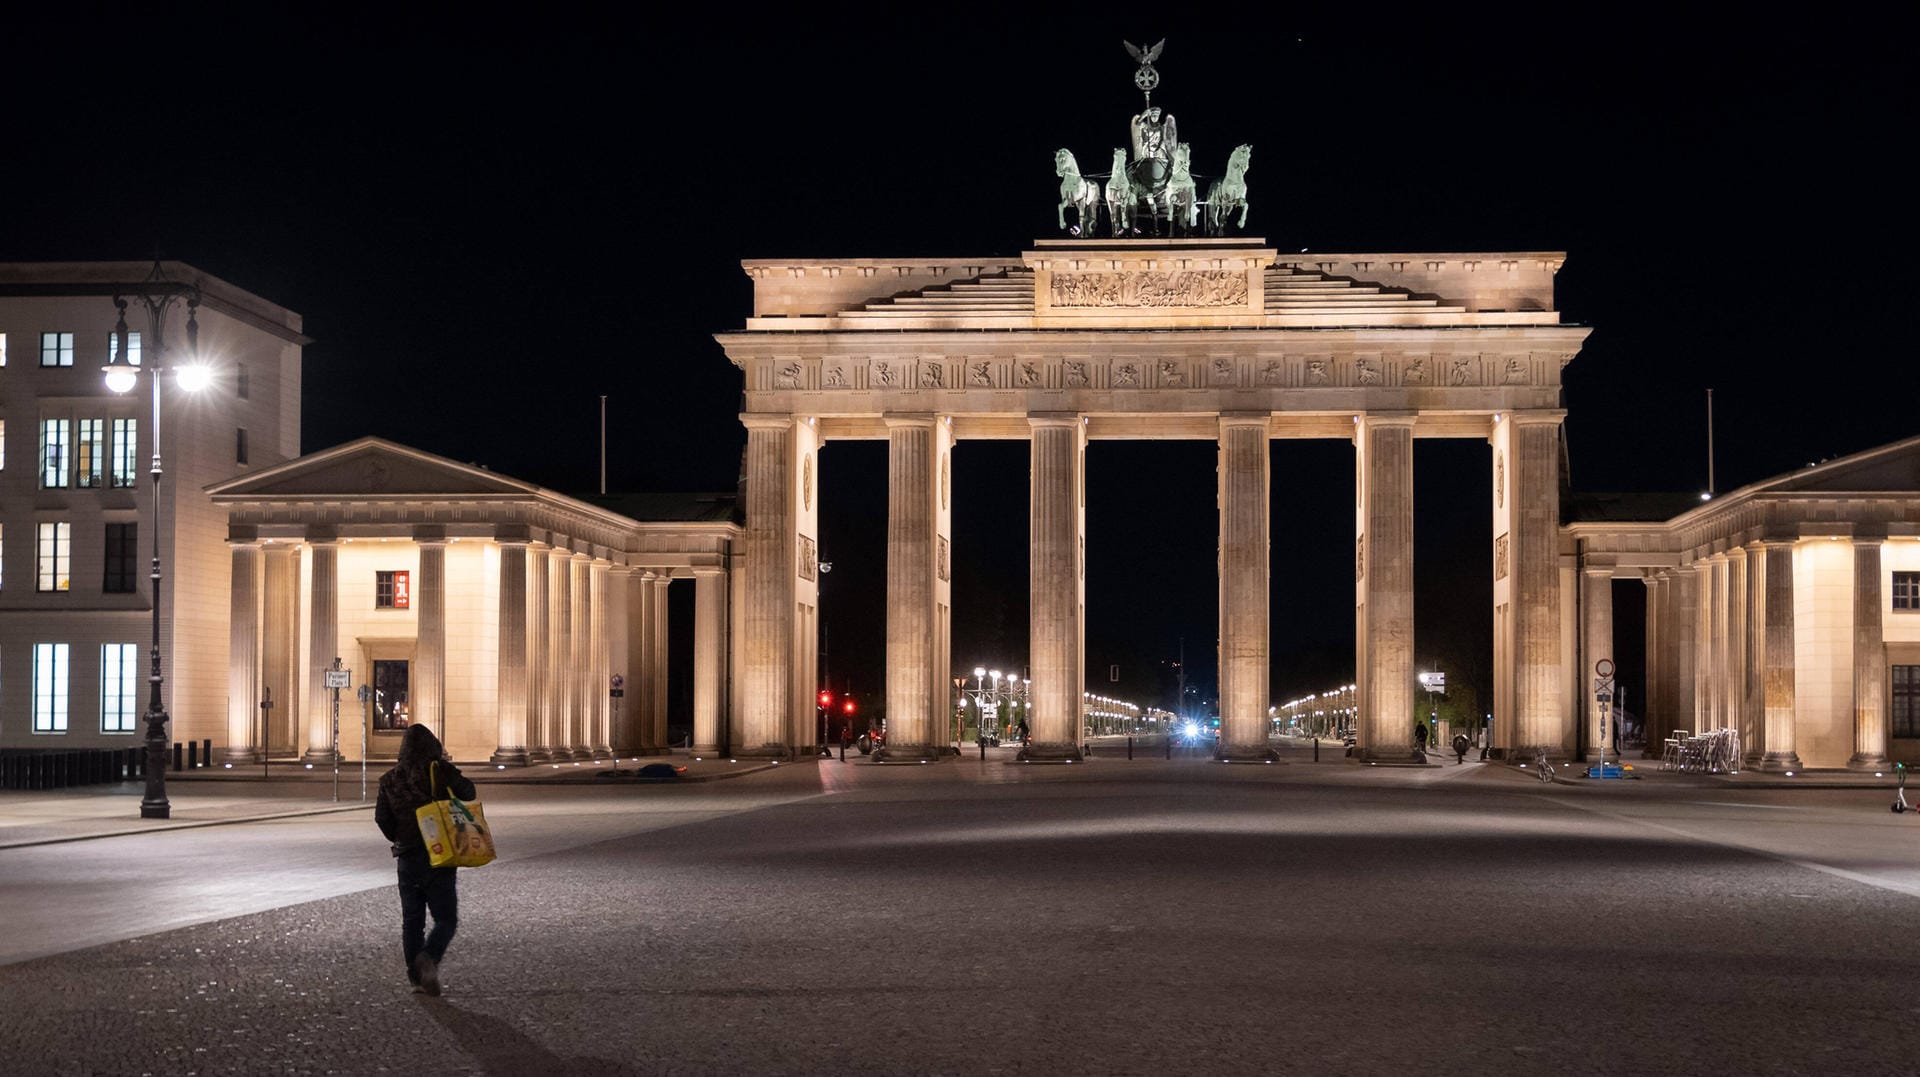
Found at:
[884, 374]
[1500, 558]
[1317, 372]
[1367, 372]
[1222, 371]
[1076, 373]
[836, 376]
[1029, 375]
[1463, 370]
[1270, 372]
[933, 375]
[787, 376]
[1416, 372]
[1126, 376]
[980, 374]
[1515, 371]
[1150, 288]
[1171, 375]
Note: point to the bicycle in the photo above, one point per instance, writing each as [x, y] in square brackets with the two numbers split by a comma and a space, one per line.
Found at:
[1542, 768]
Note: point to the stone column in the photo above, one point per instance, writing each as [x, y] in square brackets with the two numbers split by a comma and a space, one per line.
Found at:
[709, 636]
[427, 682]
[580, 689]
[1869, 660]
[1596, 602]
[1780, 752]
[323, 645]
[1684, 650]
[1384, 556]
[279, 644]
[1717, 643]
[539, 656]
[915, 571]
[511, 724]
[1703, 680]
[243, 656]
[1736, 642]
[1653, 724]
[599, 703]
[657, 658]
[1244, 479]
[1753, 733]
[781, 556]
[1536, 600]
[560, 653]
[1056, 560]
[640, 633]
[618, 621]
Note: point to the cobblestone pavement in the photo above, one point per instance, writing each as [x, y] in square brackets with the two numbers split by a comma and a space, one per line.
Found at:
[986, 918]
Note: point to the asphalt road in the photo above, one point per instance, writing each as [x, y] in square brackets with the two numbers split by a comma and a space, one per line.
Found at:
[983, 918]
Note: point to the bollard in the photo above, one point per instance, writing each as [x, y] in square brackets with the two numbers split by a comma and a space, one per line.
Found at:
[1169, 745]
[177, 750]
[206, 752]
[193, 755]
[1129, 749]
[843, 747]
[1316, 747]
[982, 742]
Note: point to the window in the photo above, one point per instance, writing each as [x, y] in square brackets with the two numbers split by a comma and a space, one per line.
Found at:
[392, 591]
[3, 550]
[49, 688]
[119, 669]
[54, 434]
[3, 444]
[1906, 590]
[240, 445]
[133, 348]
[3, 349]
[56, 349]
[241, 385]
[90, 454]
[56, 554]
[1903, 700]
[126, 448]
[121, 541]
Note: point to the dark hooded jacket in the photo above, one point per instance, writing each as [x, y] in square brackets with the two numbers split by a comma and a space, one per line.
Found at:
[404, 789]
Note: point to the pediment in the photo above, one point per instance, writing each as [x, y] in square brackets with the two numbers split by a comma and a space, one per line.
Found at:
[371, 467]
[1891, 468]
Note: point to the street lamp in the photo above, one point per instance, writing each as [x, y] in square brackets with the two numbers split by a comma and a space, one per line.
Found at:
[157, 294]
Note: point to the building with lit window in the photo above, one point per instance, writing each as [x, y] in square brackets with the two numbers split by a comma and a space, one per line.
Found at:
[76, 497]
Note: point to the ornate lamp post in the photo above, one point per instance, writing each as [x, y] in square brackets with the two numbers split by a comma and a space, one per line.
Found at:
[157, 294]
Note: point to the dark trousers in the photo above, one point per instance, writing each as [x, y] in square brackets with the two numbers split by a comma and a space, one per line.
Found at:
[424, 887]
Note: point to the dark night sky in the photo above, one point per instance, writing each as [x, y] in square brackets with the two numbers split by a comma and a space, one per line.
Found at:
[487, 231]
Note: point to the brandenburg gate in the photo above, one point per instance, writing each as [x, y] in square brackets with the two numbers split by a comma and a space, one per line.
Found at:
[1222, 339]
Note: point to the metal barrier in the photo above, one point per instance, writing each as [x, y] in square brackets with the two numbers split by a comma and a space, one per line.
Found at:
[42, 769]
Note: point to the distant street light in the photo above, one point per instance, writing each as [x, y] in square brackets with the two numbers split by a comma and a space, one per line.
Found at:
[157, 294]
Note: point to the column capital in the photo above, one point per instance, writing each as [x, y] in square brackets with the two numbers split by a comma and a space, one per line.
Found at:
[1386, 418]
[1055, 418]
[520, 533]
[1598, 570]
[768, 422]
[909, 419]
[1246, 418]
[430, 534]
[522, 542]
[1863, 536]
[1537, 417]
[322, 535]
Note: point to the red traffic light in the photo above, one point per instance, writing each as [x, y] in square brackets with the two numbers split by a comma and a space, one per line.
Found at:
[849, 706]
[826, 698]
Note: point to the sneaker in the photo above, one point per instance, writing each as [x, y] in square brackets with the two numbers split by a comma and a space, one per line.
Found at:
[429, 972]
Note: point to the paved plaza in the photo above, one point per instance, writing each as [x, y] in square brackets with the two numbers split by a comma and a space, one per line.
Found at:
[982, 917]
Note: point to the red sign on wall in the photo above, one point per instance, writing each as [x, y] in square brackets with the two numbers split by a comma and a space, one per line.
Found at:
[402, 590]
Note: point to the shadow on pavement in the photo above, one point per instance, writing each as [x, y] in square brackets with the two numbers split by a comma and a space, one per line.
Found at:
[502, 1049]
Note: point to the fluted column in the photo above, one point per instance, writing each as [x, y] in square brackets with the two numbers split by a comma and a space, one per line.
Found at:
[1869, 660]
[1781, 753]
[1244, 480]
[323, 643]
[427, 683]
[1684, 649]
[1384, 566]
[1735, 675]
[1596, 602]
[640, 635]
[1753, 733]
[1537, 669]
[1717, 638]
[560, 653]
[1653, 723]
[781, 566]
[1056, 563]
[657, 657]
[279, 644]
[580, 665]
[539, 656]
[599, 703]
[243, 656]
[511, 680]
[1703, 678]
[709, 634]
[619, 625]
[915, 570]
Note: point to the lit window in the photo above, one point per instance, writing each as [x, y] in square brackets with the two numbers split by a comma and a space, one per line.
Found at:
[126, 448]
[1903, 701]
[133, 348]
[1906, 590]
[54, 434]
[56, 555]
[119, 671]
[121, 541]
[392, 590]
[90, 453]
[49, 688]
[56, 349]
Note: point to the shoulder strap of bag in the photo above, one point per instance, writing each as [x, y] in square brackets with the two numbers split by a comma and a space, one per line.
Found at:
[433, 781]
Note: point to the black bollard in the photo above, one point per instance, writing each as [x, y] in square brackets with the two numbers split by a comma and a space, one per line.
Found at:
[1316, 748]
[843, 749]
[206, 752]
[1169, 745]
[178, 754]
[1129, 748]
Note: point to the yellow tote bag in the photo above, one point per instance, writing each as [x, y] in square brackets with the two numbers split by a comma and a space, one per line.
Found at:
[454, 831]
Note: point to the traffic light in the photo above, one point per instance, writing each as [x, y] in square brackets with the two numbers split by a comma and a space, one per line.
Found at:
[826, 699]
[849, 706]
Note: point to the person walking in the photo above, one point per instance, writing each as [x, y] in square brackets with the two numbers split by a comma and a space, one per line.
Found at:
[424, 773]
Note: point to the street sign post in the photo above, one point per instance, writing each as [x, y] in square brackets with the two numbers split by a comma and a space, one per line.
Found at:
[1603, 695]
[335, 679]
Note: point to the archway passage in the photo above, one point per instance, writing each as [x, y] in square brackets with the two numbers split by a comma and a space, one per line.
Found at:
[1209, 340]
